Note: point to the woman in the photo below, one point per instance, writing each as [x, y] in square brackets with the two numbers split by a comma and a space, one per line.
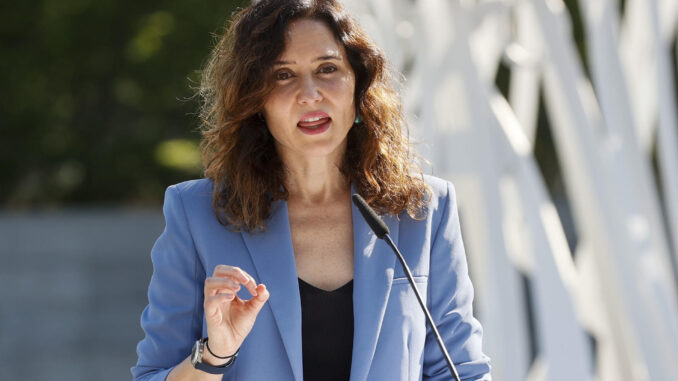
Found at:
[264, 270]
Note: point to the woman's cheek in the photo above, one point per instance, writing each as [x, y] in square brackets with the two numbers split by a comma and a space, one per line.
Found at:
[281, 91]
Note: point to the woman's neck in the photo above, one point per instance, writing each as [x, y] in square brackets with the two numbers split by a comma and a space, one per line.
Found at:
[315, 181]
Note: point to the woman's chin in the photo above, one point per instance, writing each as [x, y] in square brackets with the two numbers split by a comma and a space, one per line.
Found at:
[319, 150]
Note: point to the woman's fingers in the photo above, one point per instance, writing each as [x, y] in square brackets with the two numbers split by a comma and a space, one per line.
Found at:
[231, 271]
[213, 303]
[215, 285]
[221, 291]
[254, 305]
[237, 274]
[258, 301]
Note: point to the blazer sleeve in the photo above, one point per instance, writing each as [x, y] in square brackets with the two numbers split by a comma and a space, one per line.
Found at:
[450, 301]
[172, 321]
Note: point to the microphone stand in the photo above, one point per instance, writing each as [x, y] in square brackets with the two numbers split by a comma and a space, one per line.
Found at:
[381, 231]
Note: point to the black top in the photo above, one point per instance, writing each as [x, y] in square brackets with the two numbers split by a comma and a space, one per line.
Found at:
[326, 332]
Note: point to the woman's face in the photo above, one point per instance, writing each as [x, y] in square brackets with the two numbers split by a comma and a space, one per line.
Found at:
[311, 108]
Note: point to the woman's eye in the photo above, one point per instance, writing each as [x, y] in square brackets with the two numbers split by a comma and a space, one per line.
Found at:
[328, 69]
[282, 75]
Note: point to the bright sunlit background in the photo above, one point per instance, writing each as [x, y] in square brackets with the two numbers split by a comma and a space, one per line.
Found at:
[556, 120]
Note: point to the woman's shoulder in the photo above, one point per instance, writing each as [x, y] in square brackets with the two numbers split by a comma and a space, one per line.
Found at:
[439, 187]
[192, 190]
[442, 191]
[194, 187]
[193, 195]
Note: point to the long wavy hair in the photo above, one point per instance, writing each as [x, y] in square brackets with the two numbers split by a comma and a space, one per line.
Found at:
[238, 151]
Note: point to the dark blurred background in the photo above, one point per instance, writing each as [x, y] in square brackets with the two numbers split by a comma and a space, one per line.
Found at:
[96, 103]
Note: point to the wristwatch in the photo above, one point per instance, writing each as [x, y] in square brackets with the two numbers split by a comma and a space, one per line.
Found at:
[196, 359]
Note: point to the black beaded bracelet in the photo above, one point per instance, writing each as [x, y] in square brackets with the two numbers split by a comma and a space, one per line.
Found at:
[207, 344]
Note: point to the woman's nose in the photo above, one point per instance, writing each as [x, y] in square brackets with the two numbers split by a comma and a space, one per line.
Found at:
[308, 91]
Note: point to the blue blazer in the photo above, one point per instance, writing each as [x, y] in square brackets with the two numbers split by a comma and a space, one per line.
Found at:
[391, 338]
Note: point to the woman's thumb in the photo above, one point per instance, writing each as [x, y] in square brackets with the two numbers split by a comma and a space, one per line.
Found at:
[261, 298]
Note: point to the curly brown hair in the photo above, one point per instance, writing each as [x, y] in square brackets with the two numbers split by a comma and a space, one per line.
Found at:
[239, 152]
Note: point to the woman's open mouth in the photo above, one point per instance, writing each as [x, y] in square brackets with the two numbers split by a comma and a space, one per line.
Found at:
[314, 124]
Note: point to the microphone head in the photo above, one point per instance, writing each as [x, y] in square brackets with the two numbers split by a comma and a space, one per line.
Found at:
[376, 224]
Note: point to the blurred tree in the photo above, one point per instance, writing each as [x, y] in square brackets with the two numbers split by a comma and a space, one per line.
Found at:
[93, 105]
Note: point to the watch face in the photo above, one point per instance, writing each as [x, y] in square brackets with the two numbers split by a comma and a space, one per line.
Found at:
[196, 353]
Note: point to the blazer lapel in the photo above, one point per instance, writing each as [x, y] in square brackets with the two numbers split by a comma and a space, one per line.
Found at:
[372, 277]
[273, 256]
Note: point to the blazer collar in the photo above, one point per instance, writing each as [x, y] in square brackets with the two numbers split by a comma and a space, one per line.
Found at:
[273, 256]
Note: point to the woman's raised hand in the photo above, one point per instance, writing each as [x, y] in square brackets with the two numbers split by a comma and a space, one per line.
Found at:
[229, 318]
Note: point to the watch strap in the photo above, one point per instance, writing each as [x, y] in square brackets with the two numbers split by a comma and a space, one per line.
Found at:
[196, 359]
[214, 369]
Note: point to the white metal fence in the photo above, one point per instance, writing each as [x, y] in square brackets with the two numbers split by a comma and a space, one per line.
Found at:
[608, 310]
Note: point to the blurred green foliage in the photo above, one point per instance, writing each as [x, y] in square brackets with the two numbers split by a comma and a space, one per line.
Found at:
[94, 104]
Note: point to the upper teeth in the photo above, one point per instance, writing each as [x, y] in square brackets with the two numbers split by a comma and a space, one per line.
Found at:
[313, 119]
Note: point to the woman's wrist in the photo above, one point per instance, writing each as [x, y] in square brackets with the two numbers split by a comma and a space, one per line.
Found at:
[208, 359]
[216, 354]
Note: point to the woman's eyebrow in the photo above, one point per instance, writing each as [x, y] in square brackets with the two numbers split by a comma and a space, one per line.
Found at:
[321, 58]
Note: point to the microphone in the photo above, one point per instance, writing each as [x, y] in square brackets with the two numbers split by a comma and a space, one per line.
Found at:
[381, 231]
